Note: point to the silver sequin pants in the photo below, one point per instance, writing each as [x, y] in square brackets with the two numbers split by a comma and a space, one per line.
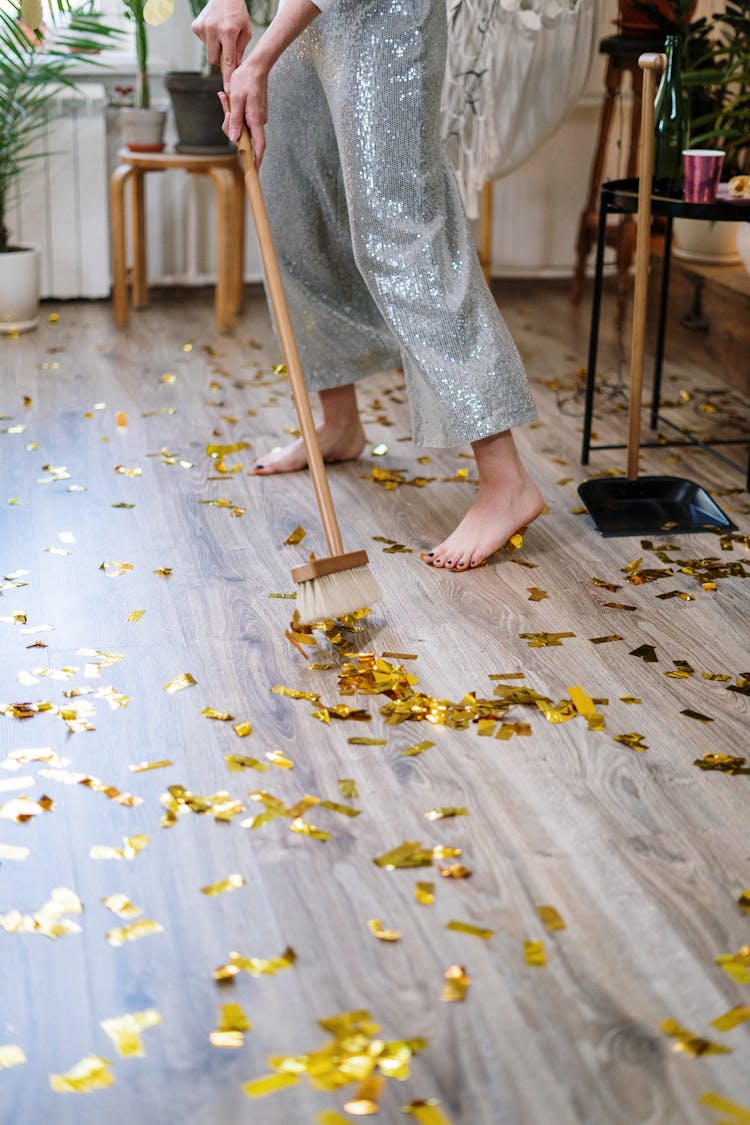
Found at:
[376, 253]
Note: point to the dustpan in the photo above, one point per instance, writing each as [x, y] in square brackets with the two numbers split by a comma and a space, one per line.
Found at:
[647, 505]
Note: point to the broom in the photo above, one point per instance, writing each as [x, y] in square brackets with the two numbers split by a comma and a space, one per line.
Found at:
[341, 582]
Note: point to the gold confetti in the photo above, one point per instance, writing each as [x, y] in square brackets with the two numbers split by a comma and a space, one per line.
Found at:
[135, 615]
[605, 640]
[738, 1113]
[179, 683]
[22, 809]
[632, 739]
[304, 829]
[375, 926]
[242, 730]
[13, 852]
[231, 883]
[647, 653]
[268, 1084]
[179, 800]
[126, 472]
[121, 905]
[536, 595]
[91, 1073]
[733, 1018]
[545, 640]
[292, 693]
[585, 706]
[409, 854]
[125, 1031]
[630, 699]
[358, 741]
[295, 537]
[725, 763]
[237, 762]
[330, 1117]
[417, 748]
[233, 1023]
[136, 930]
[365, 1100]
[219, 716]
[279, 758]
[454, 871]
[744, 902]
[426, 1112]
[11, 1055]
[163, 571]
[49, 920]
[456, 985]
[69, 777]
[550, 918]
[348, 788]
[133, 846]
[689, 1043]
[424, 893]
[400, 656]
[379, 450]
[468, 928]
[445, 813]
[143, 767]
[334, 806]
[255, 966]
[736, 965]
[619, 605]
[696, 715]
[534, 955]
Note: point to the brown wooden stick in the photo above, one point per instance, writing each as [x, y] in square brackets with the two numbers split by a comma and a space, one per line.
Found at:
[289, 345]
[649, 64]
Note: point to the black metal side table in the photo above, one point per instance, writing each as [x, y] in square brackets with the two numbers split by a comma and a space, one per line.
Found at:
[620, 197]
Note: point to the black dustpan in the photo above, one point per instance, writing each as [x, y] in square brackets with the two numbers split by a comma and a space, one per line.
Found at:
[647, 505]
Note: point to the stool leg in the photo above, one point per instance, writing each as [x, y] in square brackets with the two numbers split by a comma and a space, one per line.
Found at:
[140, 267]
[118, 245]
[224, 186]
[588, 221]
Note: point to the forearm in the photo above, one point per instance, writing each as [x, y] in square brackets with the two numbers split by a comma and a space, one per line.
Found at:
[287, 25]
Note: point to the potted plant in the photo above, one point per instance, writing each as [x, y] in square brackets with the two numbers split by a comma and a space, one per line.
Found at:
[36, 63]
[143, 124]
[197, 111]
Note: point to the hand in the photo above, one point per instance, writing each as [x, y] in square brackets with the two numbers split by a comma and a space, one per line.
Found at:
[247, 102]
[224, 27]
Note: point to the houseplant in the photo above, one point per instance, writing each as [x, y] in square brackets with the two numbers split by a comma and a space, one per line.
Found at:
[36, 64]
[143, 124]
[197, 112]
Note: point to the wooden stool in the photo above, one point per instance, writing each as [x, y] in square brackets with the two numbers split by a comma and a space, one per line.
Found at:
[622, 58]
[226, 174]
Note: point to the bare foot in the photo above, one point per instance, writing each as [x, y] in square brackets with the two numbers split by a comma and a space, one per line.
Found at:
[336, 444]
[486, 527]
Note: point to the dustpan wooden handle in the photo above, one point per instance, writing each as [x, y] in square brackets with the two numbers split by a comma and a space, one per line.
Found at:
[649, 64]
[289, 344]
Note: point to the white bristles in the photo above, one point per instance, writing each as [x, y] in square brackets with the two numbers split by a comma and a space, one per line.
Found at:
[333, 595]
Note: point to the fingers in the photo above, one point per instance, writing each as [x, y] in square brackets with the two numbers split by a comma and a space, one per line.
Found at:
[238, 112]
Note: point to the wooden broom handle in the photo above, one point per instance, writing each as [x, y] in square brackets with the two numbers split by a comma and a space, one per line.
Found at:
[289, 345]
[649, 64]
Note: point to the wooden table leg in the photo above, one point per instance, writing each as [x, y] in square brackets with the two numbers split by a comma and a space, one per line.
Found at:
[224, 187]
[117, 183]
[140, 257]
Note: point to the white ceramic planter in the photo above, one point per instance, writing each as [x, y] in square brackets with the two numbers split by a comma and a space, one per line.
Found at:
[19, 289]
[743, 244]
[143, 129]
[700, 240]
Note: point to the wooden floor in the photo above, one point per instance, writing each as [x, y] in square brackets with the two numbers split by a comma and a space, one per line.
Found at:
[643, 855]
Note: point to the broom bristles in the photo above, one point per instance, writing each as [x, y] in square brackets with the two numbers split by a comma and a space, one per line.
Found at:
[334, 595]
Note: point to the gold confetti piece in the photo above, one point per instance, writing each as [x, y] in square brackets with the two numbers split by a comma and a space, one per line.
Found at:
[125, 1031]
[426, 1113]
[133, 845]
[738, 1113]
[345, 810]
[163, 571]
[255, 966]
[304, 829]
[550, 918]
[417, 748]
[400, 656]
[295, 537]
[268, 1084]
[605, 640]
[286, 597]
[69, 777]
[630, 699]
[545, 640]
[121, 905]
[534, 955]
[454, 871]
[237, 762]
[231, 883]
[689, 1043]
[733, 1018]
[632, 739]
[11, 1055]
[179, 683]
[456, 985]
[330, 1117]
[279, 758]
[445, 813]
[135, 615]
[126, 472]
[365, 1100]
[375, 926]
[468, 928]
[619, 605]
[22, 809]
[348, 788]
[536, 595]
[169, 377]
[737, 965]
[725, 763]
[744, 902]
[292, 693]
[424, 893]
[357, 741]
[242, 730]
[121, 418]
[696, 715]
[143, 767]
[179, 800]
[136, 930]
[379, 450]
[91, 1073]
[409, 854]
[233, 1023]
[49, 919]
[219, 716]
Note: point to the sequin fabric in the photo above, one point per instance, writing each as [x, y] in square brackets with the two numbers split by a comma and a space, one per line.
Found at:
[377, 255]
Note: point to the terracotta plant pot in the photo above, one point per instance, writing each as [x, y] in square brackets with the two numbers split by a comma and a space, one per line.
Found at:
[19, 288]
[197, 113]
[143, 129]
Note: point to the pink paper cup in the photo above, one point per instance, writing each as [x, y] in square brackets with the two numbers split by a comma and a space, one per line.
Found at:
[702, 167]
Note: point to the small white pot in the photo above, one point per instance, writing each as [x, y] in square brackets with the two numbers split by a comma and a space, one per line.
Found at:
[701, 240]
[143, 129]
[743, 244]
[19, 288]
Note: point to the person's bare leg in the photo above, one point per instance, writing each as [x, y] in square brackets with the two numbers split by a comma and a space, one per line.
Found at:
[340, 435]
[507, 500]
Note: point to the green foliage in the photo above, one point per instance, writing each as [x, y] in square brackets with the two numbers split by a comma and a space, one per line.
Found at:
[135, 11]
[36, 65]
[719, 82]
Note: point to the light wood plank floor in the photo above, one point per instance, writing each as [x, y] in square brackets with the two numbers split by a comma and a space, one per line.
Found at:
[643, 855]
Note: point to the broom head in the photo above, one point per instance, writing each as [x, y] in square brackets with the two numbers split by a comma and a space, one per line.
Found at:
[334, 586]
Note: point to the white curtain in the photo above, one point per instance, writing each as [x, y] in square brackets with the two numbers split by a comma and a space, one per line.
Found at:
[515, 69]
